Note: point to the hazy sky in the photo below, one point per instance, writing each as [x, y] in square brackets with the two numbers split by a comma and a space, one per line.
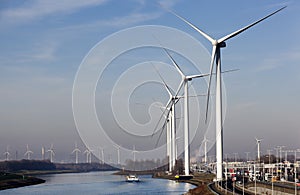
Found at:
[43, 44]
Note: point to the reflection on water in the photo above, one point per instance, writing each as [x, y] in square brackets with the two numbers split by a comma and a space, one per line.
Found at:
[100, 183]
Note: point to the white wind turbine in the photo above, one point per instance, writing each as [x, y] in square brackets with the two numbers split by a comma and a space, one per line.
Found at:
[205, 140]
[216, 58]
[118, 153]
[43, 153]
[184, 81]
[171, 123]
[134, 151]
[51, 153]
[88, 153]
[101, 153]
[169, 138]
[28, 152]
[6, 153]
[76, 151]
[258, 148]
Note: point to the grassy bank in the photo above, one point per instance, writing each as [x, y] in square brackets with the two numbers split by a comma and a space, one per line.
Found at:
[11, 180]
[200, 180]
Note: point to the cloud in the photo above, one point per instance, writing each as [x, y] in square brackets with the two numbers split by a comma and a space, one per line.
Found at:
[274, 62]
[130, 19]
[168, 4]
[39, 52]
[37, 9]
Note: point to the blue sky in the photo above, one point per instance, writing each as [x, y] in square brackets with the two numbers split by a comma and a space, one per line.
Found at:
[44, 42]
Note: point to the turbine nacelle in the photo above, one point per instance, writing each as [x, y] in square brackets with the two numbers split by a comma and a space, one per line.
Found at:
[222, 44]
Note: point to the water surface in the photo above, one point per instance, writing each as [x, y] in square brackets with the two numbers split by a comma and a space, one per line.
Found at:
[100, 183]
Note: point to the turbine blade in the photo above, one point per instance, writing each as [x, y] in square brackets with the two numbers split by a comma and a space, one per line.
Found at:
[194, 27]
[197, 76]
[169, 104]
[174, 63]
[213, 55]
[179, 88]
[232, 70]
[249, 26]
[165, 84]
[162, 130]
[197, 95]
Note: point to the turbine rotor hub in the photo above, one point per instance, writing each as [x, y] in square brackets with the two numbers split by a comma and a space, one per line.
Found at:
[215, 43]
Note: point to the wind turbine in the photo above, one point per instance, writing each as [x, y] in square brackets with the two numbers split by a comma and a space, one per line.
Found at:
[258, 148]
[88, 153]
[171, 123]
[184, 81]
[43, 153]
[216, 58]
[118, 152]
[28, 152]
[169, 138]
[205, 140]
[133, 152]
[51, 153]
[7, 154]
[76, 151]
[101, 153]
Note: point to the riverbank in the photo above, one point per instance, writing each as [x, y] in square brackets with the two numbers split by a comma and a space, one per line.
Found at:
[200, 180]
[11, 180]
[20, 173]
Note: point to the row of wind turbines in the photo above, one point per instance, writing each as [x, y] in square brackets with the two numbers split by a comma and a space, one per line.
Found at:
[76, 152]
[28, 153]
[169, 111]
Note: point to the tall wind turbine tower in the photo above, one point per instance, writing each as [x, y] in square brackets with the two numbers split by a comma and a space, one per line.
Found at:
[216, 59]
[28, 152]
[76, 151]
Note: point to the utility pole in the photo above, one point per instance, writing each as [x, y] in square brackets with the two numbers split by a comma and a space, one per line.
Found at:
[247, 156]
[276, 161]
[295, 171]
[280, 158]
[269, 153]
[235, 157]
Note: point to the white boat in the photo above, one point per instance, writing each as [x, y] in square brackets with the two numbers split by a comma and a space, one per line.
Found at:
[132, 178]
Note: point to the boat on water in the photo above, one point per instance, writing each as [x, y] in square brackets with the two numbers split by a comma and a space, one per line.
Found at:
[132, 178]
[183, 177]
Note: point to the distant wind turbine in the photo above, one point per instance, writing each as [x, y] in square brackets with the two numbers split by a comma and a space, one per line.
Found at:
[216, 58]
[88, 153]
[7, 154]
[133, 152]
[28, 152]
[205, 140]
[43, 153]
[76, 151]
[118, 153]
[258, 148]
[101, 153]
[51, 152]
